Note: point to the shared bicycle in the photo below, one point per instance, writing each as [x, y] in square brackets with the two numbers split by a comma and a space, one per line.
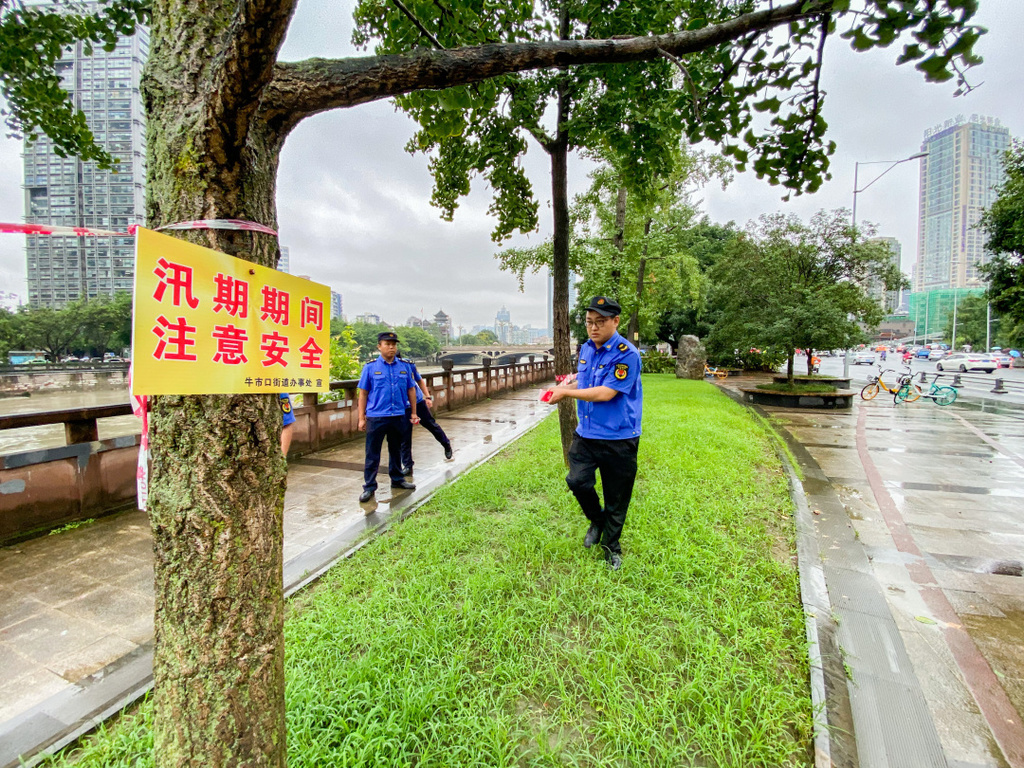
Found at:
[944, 395]
[876, 384]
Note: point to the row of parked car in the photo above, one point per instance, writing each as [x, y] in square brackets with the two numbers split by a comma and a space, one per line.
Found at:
[946, 359]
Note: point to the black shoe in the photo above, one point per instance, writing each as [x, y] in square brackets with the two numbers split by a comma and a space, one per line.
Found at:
[403, 485]
[614, 560]
[448, 451]
[406, 471]
[593, 536]
[366, 495]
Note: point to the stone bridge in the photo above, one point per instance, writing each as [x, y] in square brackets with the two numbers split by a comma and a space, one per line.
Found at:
[497, 354]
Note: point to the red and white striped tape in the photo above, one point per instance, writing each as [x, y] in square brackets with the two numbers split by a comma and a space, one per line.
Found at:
[140, 407]
[47, 229]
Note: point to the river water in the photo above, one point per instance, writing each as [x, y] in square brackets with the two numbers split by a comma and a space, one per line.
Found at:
[52, 435]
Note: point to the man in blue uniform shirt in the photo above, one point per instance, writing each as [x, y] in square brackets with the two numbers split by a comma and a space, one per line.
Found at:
[609, 403]
[423, 404]
[385, 391]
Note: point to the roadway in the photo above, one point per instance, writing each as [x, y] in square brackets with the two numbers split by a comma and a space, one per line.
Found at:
[975, 387]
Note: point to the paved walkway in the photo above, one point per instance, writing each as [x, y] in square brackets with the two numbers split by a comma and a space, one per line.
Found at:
[76, 608]
[919, 527]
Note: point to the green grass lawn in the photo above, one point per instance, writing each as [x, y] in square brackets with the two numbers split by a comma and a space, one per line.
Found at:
[480, 632]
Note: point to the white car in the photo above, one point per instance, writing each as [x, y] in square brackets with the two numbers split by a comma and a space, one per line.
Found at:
[937, 354]
[864, 358]
[967, 361]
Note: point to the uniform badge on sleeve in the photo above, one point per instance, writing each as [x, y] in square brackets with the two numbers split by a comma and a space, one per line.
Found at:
[621, 371]
[622, 346]
[286, 405]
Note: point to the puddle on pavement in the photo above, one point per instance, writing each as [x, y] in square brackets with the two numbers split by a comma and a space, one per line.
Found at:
[976, 490]
[1000, 641]
[982, 565]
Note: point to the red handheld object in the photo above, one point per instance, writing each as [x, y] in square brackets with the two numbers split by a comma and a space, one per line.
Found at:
[569, 378]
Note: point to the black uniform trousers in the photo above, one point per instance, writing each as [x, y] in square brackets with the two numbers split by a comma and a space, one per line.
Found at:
[426, 420]
[616, 461]
[379, 428]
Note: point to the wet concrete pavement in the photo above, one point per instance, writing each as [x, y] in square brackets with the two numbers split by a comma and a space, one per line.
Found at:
[918, 515]
[76, 608]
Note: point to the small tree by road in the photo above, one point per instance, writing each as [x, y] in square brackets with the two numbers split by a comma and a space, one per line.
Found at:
[1003, 222]
[786, 285]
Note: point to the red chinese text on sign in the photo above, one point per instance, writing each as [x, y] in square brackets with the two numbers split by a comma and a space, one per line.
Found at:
[275, 346]
[230, 345]
[173, 346]
[178, 277]
[311, 354]
[232, 296]
[275, 305]
[312, 313]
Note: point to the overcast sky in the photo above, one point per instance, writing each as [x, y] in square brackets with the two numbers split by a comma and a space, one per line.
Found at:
[354, 207]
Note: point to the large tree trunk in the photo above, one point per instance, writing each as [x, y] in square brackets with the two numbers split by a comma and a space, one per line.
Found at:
[218, 476]
[559, 153]
[633, 329]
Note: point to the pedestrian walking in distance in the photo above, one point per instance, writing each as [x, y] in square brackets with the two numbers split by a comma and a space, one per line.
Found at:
[385, 391]
[609, 404]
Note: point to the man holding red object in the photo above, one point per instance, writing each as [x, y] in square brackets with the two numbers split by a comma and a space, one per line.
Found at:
[609, 403]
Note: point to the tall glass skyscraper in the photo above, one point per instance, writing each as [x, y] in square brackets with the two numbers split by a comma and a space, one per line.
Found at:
[67, 192]
[959, 177]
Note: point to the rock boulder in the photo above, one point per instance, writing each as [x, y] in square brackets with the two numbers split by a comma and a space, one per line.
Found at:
[690, 358]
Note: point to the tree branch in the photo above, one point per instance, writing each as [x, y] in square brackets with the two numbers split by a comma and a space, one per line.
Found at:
[686, 77]
[815, 90]
[301, 89]
[416, 23]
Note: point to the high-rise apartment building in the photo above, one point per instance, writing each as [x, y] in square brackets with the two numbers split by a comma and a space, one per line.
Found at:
[336, 303]
[67, 192]
[284, 264]
[502, 325]
[959, 176]
[887, 300]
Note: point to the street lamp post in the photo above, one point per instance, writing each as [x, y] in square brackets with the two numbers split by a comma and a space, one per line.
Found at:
[856, 176]
[857, 189]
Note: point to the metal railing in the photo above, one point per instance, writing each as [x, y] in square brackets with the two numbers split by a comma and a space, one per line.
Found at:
[1002, 386]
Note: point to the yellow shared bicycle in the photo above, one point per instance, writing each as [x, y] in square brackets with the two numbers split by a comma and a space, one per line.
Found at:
[876, 384]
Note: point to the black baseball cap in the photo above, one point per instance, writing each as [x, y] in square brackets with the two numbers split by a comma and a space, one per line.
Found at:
[387, 336]
[605, 306]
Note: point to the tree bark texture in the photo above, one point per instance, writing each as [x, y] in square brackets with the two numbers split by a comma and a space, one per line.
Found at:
[218, 477]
